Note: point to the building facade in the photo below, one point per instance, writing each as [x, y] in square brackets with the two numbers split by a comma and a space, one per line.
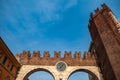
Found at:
[9, 66]
[105, 32]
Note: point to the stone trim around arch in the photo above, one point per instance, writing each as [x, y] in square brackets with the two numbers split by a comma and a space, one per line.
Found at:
[35, 70]
[27, 70]
[57, 75]
[86, 71]
[92, 70]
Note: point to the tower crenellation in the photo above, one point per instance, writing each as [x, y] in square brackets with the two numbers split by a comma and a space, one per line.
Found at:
[104, 6]
[87, 55]
[57, 54]
[26, 58]
[36, 54]
[97, 11]
[100, 10]
[25, 54]
[68, 54]
[77, 55]
[46, 54]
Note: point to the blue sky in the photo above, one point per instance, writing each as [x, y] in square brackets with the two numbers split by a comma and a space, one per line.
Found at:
[45, 25]
[46, 76]
[49, 25]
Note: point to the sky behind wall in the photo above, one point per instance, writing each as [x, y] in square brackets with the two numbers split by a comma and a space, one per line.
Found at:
[45, 25]
[49, 25]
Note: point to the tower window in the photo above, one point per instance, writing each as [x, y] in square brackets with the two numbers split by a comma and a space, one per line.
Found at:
[0, 72]
[4, 60]
[0, 55]
[11, 68]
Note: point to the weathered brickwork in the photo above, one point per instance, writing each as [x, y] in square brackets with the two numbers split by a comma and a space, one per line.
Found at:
[104, 30]
[77, 60]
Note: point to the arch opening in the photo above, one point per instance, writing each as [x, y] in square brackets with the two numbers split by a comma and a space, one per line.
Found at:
[82, 74]
[39, 74]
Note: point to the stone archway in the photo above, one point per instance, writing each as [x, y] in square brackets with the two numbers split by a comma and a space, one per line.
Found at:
[60, 68]
[84, 70]
[93, 70]
[27, 70]
[35, 70]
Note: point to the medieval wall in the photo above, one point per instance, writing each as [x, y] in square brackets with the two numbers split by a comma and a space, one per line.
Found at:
[35, 59]
[27, 70]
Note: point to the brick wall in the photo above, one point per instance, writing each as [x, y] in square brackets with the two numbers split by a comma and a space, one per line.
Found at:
[36, 59]
[106, 40]
[8, 63]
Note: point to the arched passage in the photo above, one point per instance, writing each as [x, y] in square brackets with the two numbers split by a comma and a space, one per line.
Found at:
[36, 70]
[27, 70]
[40, 75]
[84, 70]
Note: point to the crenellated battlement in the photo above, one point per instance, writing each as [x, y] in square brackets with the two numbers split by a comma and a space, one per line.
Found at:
[104, 17]
[26, 58]
[77, 55]
[100, 10]
[46, 54]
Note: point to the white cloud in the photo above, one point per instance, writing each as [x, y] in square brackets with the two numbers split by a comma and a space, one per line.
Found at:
[48, 10]
[22, 13]
[51, 10]
[71, 3]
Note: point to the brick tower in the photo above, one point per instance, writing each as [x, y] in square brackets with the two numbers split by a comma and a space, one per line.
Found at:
[105, 32]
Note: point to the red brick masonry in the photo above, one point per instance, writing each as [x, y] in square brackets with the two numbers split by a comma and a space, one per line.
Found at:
[35, 59]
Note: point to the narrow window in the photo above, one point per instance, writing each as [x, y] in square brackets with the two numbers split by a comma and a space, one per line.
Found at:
[0, 72]
[11, 68]
[0, 55]
[5, 59]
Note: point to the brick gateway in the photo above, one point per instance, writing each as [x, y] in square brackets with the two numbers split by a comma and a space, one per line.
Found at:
[35, 63]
